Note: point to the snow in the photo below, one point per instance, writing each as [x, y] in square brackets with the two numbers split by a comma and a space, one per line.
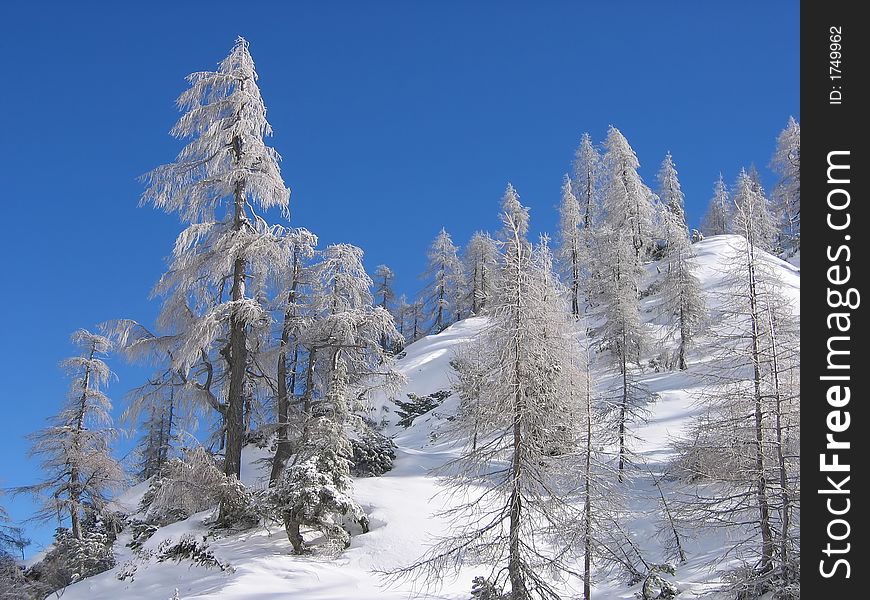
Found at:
[402, 504]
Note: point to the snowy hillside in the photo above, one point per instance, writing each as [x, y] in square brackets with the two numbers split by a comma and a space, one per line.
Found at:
[402, 504]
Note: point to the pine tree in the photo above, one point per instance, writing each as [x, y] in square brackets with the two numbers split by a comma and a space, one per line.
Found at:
[786, 162]
[571, 243]
[681, 299]
[75, 450]
[221, 263]
[522, 416]
[481, 267]
[717, 219]
[444, 277]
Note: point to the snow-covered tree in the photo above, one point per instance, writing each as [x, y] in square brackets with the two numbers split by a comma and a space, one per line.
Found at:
[786, 162]
[627, 203]
[384, 294]
[681, 300]
[742, 454]
[587, 163]
[315, 490]
[401, 311]
[75, 451]
[155, 446]
[571, 244]
[752, 214]
[717, 219]
[214, 289]
[297, 279]
[416, 321]
[514, 524]
[12, 540]
[624, 238]
[670, 191]
[344, 319]
[481, 268]
[444, 280]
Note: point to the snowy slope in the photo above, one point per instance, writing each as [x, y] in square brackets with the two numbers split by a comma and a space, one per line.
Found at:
[401, 504]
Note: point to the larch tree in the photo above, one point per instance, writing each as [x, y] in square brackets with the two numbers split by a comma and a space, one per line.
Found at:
[155, 446]
[215, 287]
[384, 294]
[75, 449]
[786, 196]
[587, 162]
[401, 312]
[624, 239]
[515, 523]
[717, 219]
[682, 302]
[570, 251]
[625, 197]
[296, 281]
[444, 276]
[481, 269]
[742, 453]
[383, 279]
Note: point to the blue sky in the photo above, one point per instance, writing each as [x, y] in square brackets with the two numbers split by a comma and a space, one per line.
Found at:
[393, 118]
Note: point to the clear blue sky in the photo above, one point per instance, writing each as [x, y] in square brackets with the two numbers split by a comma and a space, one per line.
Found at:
[394, 119]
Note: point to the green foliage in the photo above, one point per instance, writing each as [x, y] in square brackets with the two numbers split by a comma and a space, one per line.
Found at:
[373, 454]
[71, 560]
[419, 405]
[187, 548]
[656, 587]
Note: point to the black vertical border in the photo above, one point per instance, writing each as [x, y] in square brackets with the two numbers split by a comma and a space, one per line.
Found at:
[828, 127]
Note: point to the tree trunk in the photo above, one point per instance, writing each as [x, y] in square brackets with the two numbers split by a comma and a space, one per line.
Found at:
[761, 484]
[74, 483]
[587, 507]
[291, 526]
[238, 351]
[283, 450]
[623, 408]
[515, 574]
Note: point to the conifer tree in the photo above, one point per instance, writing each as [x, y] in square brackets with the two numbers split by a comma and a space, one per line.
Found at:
[296, 280]
[75, 449]
[215, 286]
[717, 219]
[623, 242]
[531, 390]
[743, 450]
[786, 162]
[384, 294]
[570, 252]
[681, 299]
[481, 268]
[587, 163]
[444, 277]
[315, 490]
[627, 202]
